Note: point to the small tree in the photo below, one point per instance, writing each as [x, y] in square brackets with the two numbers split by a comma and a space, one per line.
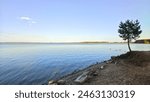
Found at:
[129, 30]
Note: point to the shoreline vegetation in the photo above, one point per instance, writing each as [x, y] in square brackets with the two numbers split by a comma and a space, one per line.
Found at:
[131, 68]
[141, 41]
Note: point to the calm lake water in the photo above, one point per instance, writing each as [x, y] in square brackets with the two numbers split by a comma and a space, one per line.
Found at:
[38, 63]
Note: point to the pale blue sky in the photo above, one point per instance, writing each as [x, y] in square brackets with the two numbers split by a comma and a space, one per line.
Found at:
[69, 20]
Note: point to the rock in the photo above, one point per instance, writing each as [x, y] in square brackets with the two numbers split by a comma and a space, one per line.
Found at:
[95, 74]
[75, 71]
[52, 82]
[107, 62]
[115, 62]
[102, 67]
[61, 82]
[82, 78]
[113, 57]
[97, 62]
[85, 73]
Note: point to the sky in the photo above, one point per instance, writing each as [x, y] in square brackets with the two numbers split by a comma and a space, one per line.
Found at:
[69, 20]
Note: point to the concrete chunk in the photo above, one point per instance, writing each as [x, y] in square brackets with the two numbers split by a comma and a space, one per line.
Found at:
[82, 78]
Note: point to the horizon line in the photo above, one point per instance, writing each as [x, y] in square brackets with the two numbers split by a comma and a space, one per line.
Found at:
[86, 41]
[69, 42]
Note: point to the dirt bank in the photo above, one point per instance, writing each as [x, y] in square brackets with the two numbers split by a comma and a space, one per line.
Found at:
[127, 69]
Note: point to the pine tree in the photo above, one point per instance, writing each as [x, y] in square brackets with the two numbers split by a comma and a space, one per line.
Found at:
[129, 30]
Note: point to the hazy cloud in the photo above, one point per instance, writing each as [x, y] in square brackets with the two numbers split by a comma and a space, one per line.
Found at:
[33, 22]
[25, 18]
[28, 20]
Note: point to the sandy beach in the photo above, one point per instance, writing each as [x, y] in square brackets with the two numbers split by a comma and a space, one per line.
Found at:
[126, 69]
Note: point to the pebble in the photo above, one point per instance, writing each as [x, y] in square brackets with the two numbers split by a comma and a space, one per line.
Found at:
[102, 67]
[52, 82]
[95, 74]
[61, 82]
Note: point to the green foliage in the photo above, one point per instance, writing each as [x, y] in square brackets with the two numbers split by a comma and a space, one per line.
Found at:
[130, 30]
[146, 42]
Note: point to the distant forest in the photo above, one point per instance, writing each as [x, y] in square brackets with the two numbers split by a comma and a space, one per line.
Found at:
[145, 41]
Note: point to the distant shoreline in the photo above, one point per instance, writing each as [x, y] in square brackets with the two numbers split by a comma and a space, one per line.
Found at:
[69, 43]
[57, 42]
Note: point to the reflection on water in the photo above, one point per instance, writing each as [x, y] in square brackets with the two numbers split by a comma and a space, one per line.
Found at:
[37, 63]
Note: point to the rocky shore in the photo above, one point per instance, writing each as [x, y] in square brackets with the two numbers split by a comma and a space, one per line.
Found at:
[132, 68]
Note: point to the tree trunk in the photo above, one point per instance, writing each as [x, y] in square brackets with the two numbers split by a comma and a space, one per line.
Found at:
[129, 45]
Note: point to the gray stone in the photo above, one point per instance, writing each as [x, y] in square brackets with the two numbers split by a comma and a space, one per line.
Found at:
[52, 82]
[113, 57]
[82, 78]
[102, 67]
[95, 74]
[61, 82]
